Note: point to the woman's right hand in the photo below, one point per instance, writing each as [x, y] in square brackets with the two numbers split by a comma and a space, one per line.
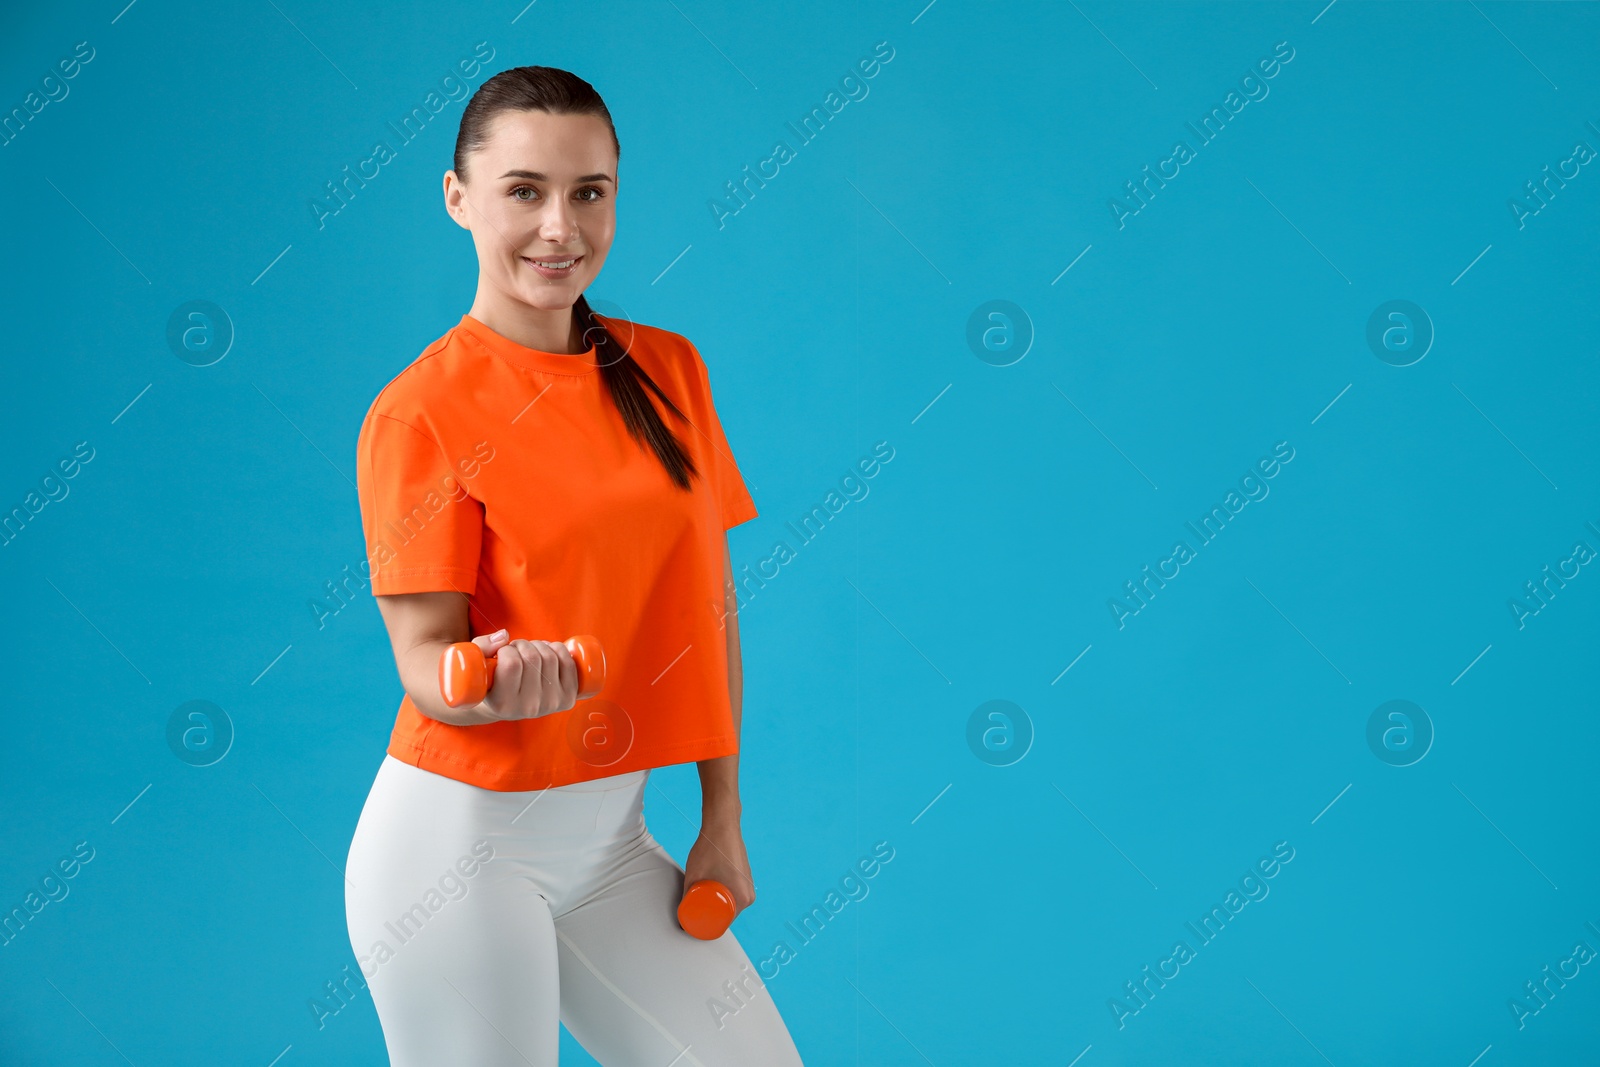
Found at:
[531, 678]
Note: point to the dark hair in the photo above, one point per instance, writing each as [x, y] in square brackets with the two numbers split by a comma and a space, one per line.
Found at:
[561, 92]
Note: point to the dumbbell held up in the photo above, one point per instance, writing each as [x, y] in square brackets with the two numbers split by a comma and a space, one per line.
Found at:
[466, 674]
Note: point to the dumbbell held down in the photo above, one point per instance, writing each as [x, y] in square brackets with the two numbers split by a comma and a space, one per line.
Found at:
[465, 677]
[466, 674]
[706, 910]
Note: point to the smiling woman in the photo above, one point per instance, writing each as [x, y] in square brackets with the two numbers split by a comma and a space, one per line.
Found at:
[605, 512]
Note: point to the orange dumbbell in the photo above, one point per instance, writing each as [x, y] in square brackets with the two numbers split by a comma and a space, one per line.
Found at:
[706, 910]
[465, 673]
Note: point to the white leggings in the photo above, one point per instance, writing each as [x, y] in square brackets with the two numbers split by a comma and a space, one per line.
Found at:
[480, 917]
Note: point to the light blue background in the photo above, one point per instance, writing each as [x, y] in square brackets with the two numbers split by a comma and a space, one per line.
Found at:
[1226, 316]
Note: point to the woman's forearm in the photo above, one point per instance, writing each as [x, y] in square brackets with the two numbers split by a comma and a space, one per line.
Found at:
[419, 675]
[719, 778]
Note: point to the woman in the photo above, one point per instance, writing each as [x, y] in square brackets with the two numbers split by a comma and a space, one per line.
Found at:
[518, 485]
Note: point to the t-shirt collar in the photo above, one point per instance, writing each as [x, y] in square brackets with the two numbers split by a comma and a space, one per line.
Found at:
[571, 365]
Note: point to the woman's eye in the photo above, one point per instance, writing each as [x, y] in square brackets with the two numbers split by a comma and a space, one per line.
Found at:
[598, 194]
[522, 189]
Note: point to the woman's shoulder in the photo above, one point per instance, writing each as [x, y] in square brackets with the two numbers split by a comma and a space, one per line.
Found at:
[658, 350]
[428, 377]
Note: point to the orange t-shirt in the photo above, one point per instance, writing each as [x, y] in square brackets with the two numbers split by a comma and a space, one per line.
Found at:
[506, 473]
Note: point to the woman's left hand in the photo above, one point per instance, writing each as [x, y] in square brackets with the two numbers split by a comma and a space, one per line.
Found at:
[719, 854]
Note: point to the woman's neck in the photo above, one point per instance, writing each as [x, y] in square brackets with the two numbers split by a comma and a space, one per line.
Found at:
[554, 330]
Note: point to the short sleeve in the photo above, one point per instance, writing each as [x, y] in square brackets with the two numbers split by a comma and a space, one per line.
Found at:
[423, 529]
[732, 497]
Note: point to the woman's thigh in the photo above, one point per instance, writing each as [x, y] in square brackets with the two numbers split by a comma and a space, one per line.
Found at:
[453, 935]
[637, 991]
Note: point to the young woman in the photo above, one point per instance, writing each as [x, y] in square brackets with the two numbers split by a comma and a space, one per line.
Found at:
[539, 472]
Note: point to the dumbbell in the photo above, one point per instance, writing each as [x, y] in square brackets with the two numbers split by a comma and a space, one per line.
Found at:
[706, 910]
[465, 673]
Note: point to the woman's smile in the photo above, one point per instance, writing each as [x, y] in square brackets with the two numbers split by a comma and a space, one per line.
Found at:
[552, 267]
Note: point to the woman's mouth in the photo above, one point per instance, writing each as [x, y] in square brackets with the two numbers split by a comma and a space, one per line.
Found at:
[554, 268]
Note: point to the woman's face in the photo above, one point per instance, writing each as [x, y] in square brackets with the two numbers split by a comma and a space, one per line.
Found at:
[543, 188]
